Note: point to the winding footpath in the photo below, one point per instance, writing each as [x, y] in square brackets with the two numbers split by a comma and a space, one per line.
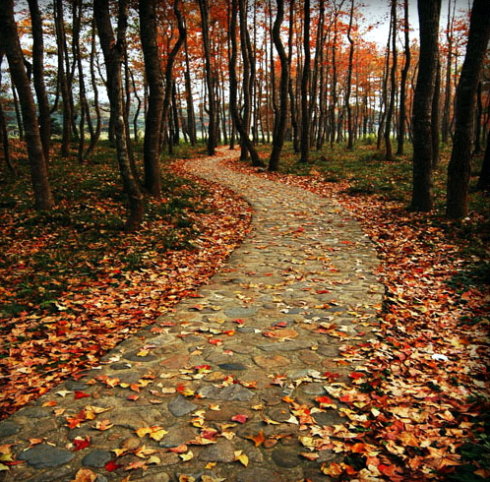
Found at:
[226, 386]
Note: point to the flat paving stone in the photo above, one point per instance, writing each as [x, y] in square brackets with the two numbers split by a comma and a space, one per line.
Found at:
[97, 458]
[8, 428]
[245, 349]
[180, 406]
[42, 455]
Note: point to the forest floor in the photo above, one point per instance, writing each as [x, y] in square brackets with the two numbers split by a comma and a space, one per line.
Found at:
[408, 398]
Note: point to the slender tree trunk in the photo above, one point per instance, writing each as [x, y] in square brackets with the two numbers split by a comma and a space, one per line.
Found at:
[435, 118]
[62, 78]
[459, 168]
[212, 138]
[154, 115]
[167, 96]
[446, 116]
[281, 117]
[95, 133]
[18, 114]
[350, 142]
[248, 81]
[478, 120]
[292, 98]
[305, 116]
[422, 105]
[38, 75]
[4, 137]
[403, 83]
[113, 50]
[138, 107]
[191, 118]
[391, 105]
[10, 44]
[484, 179]
[237, 119]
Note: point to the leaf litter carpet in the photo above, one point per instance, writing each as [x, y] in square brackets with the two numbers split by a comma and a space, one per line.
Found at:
[249, 381]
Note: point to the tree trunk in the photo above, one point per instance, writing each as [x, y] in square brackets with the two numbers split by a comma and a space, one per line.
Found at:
[4, 137]
[446, 116]
[212, 130]
[422, 105]
[484, 179]
[281, 118]
[10, 44]
[237, 119]
[391, 105]
[62, 79]
[113, 50]
[38, 75]
[95, 134]
[292, 99]
[167, 96]
[403, 83]
[154, 115]
[305, 115]
[459, 168]
[435, 118]
[191, 118]
[350, 142]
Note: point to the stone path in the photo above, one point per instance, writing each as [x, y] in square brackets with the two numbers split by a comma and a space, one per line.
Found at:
[212, 390]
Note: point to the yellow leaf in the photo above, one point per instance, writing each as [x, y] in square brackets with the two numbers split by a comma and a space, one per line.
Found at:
[143, 353]
[269, 421]
[158, 434]
[187, 456]
[154, 459]
[241, 457]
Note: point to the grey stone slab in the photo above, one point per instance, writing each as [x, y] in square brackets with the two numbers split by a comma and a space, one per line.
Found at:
[42, 455]
[180, 406]
[8, 428]
[97, 458]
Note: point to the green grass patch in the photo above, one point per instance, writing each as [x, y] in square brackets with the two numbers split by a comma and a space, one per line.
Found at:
[46, 254]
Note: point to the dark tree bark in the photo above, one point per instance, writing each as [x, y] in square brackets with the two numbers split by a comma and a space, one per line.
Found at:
[10, 44]
[484, 179]
[459, 168]
[237, 119]
[391, 105]
[18, 114]
[435, 118]
[281, 117]
[62, 78]
[305, 79]
[350, 129]
[292, 98]
[154, 114]
[113, 50]
[95, 134]
[38, 76]
[191, 118]
[446, 117]
[4, 137]
[478, 121]
[212, 111]
[248, 82]
[403, 83]
[167, 95]
[422, 105]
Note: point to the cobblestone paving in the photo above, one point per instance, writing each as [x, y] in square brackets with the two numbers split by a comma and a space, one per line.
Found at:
[206, 391]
